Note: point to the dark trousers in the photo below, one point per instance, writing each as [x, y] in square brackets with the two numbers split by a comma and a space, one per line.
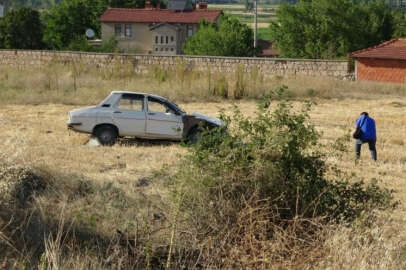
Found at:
[372, 148]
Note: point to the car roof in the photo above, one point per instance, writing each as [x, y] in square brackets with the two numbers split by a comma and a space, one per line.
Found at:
[138, 93]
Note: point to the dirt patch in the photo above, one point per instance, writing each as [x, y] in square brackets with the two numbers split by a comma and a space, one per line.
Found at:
[397, 104]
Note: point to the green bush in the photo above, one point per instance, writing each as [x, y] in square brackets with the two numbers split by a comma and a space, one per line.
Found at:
[108, 46]
[80, 43]
[272, 166]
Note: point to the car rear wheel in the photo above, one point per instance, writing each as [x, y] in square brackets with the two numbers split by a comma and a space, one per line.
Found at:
[107, 135]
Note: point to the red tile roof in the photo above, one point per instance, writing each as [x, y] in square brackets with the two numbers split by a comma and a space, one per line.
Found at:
[392, 49]
[158, 15]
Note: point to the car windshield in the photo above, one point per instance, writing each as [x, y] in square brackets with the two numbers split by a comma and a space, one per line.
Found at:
[106, 101]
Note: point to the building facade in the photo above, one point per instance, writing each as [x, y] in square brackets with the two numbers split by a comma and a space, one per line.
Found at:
[385, 62]
[154, 30]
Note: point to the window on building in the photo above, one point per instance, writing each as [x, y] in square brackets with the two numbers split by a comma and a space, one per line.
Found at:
[162, 39]
[117, 29]
[167, 39]
[128, 30]
[189, 30]
[172, 38]
[171, 49]
[156, 49]
[156, 39]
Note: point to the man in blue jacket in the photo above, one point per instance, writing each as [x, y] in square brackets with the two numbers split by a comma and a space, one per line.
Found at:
[368, 135]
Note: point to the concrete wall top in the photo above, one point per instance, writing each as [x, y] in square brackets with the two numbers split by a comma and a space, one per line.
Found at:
[174, 56]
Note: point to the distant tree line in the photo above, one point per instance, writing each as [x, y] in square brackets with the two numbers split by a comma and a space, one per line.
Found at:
[46, 4]
[308, 29]
[332, 29]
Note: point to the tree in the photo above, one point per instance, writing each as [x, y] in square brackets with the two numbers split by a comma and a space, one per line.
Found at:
[69, 20]
[399, 17]
[21, 29]
[228, 38]
[330, 29]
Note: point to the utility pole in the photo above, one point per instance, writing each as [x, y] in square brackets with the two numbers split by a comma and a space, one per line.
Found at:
[255, 22]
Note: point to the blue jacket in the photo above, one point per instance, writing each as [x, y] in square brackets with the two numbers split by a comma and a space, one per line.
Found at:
[368, 127]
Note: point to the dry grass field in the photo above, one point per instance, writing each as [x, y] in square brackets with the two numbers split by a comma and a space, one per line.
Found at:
[130, 176]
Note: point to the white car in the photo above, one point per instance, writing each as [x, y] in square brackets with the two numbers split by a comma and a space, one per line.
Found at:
[125, 113]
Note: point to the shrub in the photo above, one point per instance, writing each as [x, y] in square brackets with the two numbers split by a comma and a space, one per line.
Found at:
[18, 185]
[79, 43]
[159, 74]
[240, 83]
[108, 46]
[221, 87]
[263, 176]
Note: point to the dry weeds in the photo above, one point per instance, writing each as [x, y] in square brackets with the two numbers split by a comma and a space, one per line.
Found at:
[61, 84]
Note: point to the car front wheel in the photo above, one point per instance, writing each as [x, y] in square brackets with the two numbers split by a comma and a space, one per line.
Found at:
[107, 135]
[194, 135]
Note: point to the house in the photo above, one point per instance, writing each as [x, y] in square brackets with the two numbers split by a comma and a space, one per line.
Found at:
[154, 30]
[385, 62]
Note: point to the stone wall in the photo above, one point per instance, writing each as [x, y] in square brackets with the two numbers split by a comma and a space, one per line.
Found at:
[145, 63]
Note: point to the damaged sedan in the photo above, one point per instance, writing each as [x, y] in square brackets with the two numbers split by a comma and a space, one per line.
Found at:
[125, 113]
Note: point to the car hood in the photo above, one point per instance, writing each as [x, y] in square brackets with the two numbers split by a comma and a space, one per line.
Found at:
[209, 119]
[82, 111]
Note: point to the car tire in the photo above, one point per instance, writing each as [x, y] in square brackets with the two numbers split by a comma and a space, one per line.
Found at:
[194, 135]
[107, 135]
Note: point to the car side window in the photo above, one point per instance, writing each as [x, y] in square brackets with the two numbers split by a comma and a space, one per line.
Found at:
[131, 102]
[157, 106]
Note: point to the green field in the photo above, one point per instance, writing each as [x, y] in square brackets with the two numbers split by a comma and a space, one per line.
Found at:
[266, 13]
[264, 33]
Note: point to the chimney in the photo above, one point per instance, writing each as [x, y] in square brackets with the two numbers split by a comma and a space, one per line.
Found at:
[203, 5]
[148, 5]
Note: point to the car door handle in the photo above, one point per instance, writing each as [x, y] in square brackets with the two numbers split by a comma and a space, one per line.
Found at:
[117, 112]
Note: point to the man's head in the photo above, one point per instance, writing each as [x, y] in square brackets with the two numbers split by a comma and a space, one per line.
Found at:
[364, 113]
